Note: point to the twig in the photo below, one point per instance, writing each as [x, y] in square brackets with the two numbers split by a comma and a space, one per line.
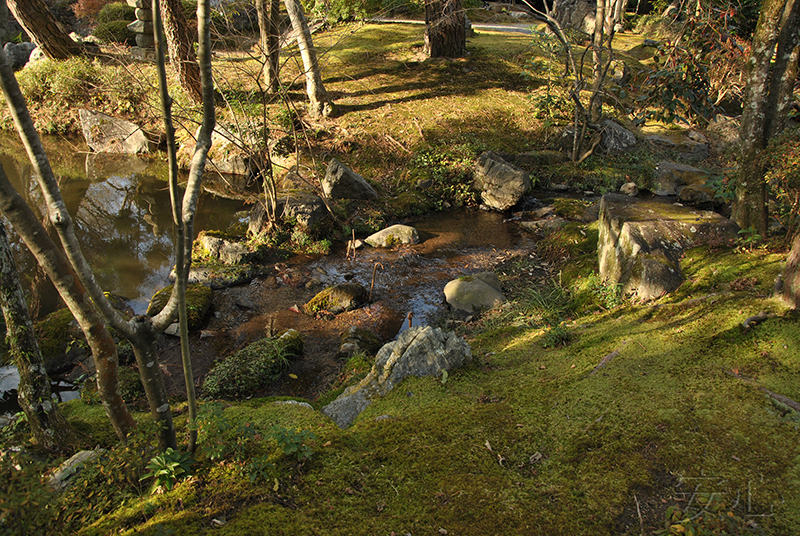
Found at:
[639, 512]
[604, 361]
[371, 285]
[775, 396]
[597, 420]
[389, 136]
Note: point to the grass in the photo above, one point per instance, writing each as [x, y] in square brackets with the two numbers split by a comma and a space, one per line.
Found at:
[527, 440]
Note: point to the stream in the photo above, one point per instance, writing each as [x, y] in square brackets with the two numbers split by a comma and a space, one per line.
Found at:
[123, 219]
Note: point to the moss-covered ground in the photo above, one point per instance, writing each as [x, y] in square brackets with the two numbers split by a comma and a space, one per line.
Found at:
[649, 406]
[536, 437]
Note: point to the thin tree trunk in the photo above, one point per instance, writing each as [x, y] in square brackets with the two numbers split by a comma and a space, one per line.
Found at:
[181, 47]
[49, 428]
[319, 105]
[269, 28]
[791, 275]
[596, 107]
[39, 23]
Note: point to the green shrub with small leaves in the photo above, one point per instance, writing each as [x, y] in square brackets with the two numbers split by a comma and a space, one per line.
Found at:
[167, 468]
[115, 32]
[251, 368]
[116, 11]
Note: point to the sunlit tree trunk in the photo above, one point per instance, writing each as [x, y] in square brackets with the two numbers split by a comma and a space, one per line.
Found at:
[269, 28]
[35, 17]
[49, 428]
[319, 104]
[181, 48]
[445, 28]
[770, 76]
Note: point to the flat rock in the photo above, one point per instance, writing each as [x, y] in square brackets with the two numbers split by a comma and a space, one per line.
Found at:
[641, 242]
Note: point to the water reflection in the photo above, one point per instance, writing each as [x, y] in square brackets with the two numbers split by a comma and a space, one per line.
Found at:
[122, 216]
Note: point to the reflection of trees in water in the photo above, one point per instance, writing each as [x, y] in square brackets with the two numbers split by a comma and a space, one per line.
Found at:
[125, 226]
[123, 219]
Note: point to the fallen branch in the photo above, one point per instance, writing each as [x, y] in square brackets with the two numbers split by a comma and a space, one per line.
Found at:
[755, 319]
[775, 396]
[400, 145]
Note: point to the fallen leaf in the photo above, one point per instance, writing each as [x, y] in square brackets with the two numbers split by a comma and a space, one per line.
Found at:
[326, 444]
[293, 376]
[488, 446]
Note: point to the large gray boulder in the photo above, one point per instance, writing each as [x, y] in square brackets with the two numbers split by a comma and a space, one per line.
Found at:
[18, 53]
[478, 292]
[106, 134]
[615, 138]
[393, 235]
[501, 184]
[686, 148]
[641, 242]
[577, 14]
[341, 182]
[305, 208]
[418, 351]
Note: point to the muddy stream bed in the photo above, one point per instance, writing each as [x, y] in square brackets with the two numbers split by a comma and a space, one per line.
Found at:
[408, 279]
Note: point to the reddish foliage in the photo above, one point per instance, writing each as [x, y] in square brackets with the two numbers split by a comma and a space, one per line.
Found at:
[88, 9]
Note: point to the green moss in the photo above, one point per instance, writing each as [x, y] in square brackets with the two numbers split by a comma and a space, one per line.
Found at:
[55, 333]
[198, 302]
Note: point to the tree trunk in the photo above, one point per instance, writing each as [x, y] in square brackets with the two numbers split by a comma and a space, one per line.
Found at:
[146, 352]
[791, 275]
[771, 71]
[49, 428]
[319, 105]
[445, 29]
[596, 106]
[269, 28]
[104, 351]
[181, 48]
[35, 17]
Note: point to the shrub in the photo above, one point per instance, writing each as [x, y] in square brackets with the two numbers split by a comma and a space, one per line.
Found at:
[116, 12]
[115, 32]
[252, 367]
[782, 159]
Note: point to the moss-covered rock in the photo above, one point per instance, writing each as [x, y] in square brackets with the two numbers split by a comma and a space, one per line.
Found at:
[338, 299]
[198, 302]
[60, 340]
[251, 368]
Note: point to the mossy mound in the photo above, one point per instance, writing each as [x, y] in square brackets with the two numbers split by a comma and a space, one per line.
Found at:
[198, 302]
[57, 335]
[338, 299]
[251, 368]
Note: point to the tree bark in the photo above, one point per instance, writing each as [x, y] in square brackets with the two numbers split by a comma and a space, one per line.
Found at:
[791, 275]
[181, 48]
[104, 351]
[49, 428]
[319, 104]
[771, 71]
[269, 28]
[35, 17]
[445, 29]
